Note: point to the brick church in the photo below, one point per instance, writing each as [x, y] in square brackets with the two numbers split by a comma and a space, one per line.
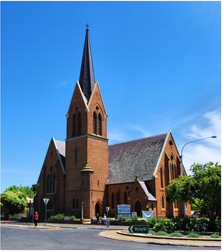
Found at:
[85, 174]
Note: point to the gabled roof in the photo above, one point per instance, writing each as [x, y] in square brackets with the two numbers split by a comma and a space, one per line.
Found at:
[87, 79]
[60, 149]
[148, 194]
[135, 158]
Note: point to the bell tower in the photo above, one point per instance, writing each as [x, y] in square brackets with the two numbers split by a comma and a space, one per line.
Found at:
[87, 165]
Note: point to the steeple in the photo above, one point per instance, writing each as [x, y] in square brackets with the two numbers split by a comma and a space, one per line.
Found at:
[87, 79]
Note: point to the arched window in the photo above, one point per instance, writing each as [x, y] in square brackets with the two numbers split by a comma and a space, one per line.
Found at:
[161, 176]
[74, 125]
[79, 124]
[54, 183]
[175, 172]
[77, 203]
[73, 204]
[76, 154]
[162, 202]
[51, 182]
[94, 123]
[48, 184]
[172, 172]
[99, 124]
[112, 200]
[125, 198]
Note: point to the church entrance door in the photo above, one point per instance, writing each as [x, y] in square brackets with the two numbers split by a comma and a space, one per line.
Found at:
[97, 208]
[138, 208]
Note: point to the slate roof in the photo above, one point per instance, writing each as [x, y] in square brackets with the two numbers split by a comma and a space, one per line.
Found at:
[137, 158]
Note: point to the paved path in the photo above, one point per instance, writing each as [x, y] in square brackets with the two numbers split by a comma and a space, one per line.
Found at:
[117, 235]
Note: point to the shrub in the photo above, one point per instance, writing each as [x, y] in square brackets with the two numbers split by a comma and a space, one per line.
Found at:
[129, 220]
[152, 232]
[175, 234]
[122, 218]
[15, 216]
[134, 218]
[160, 225]
[57, 217]
[151, 222]
[215, 236]
[186, 224]
[162, 233]
[141, 219]
[72, 218]
[193, 235]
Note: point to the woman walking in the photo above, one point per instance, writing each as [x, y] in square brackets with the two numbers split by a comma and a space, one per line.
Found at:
[36, 217]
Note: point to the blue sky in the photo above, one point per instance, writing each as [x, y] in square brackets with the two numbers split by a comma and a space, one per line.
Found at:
[158, 65]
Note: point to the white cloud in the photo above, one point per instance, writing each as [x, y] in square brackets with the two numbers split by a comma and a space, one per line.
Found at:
[208, 149]
[115, 136]
[125, 133]
[213, 129]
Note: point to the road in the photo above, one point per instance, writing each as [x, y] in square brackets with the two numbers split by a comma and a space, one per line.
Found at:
[15, 238]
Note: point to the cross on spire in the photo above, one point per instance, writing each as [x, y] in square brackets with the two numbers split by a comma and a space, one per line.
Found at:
[87, 26]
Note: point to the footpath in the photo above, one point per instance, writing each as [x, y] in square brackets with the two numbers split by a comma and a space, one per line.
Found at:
[121, 233]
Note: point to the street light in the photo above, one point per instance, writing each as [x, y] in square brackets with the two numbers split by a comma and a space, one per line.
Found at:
[182, 159]
[82, 209]
[92, 209]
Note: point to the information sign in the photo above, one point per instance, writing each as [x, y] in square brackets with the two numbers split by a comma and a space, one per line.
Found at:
[137, 229]
[124, 210]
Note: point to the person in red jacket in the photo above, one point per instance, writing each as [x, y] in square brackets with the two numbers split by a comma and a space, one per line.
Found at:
[36, 217]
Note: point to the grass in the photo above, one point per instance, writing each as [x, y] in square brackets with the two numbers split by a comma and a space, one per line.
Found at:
[151, 232]
[161, 233]
[192, 235]
[215, 236]
[176, 235]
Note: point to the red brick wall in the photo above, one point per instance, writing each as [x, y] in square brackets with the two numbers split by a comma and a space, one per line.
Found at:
[170, 158]
[57, 195]
[92, 150]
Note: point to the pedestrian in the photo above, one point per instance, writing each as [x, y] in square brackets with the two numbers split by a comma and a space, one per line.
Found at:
[97, 219]
[36, 217]
[104, 219]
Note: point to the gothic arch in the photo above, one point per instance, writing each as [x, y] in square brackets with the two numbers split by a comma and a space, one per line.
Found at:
[98, 208]
[138, 208]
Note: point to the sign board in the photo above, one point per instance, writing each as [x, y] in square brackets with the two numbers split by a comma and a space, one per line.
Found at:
[124, 210]
[147, 214]
[134, 214]
[138, 229]
[45, 201]
[107, 209]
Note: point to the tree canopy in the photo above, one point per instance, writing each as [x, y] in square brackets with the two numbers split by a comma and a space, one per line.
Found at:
[13, 202]
[28, 192]
[202, 188]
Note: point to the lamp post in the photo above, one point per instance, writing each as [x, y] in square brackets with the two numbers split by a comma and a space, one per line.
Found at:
[92, 209]
[181, 157]
[82, 209]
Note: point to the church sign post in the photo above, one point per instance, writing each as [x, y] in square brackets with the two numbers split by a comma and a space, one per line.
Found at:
[46, 202]
[138, 229]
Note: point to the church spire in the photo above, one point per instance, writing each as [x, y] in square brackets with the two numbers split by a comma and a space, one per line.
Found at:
[87, 79]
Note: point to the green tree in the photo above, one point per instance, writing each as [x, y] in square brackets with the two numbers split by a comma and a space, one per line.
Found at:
[202, 188]
[24, 189]
[13, 202]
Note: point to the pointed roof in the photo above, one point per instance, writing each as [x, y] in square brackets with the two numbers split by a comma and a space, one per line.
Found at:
[87, 79]
[134, 158]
